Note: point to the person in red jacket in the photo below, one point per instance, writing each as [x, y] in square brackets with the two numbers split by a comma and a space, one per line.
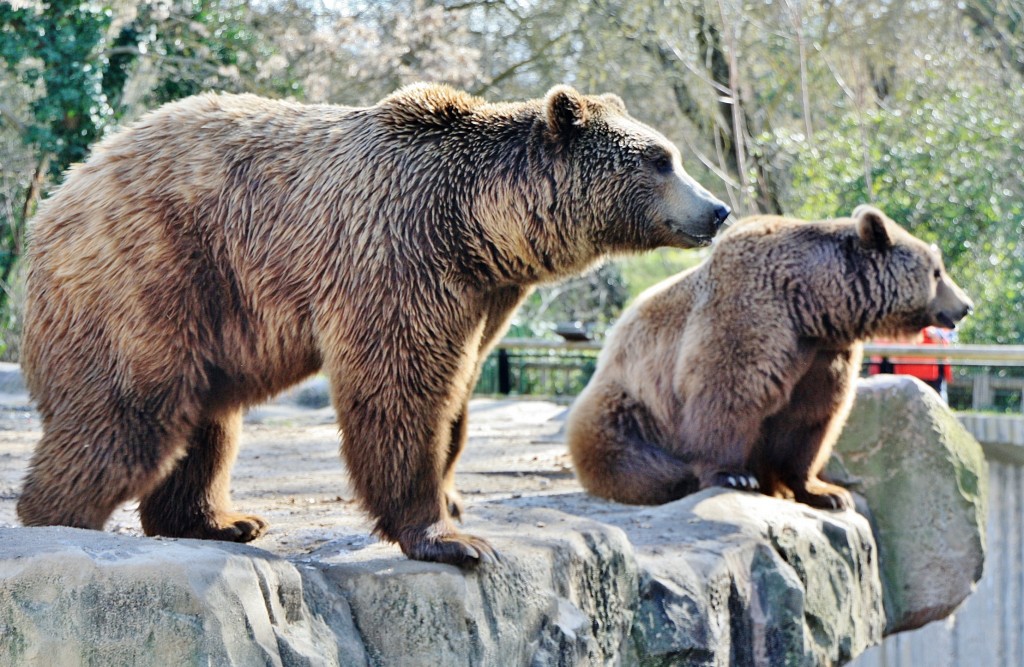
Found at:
[936, 373]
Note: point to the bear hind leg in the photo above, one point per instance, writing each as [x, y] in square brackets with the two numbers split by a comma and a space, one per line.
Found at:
[614, 446]
[78, 476]
[61, 493]
[194, 500]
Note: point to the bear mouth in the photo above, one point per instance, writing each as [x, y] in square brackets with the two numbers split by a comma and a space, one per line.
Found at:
[945, 321]
[693, 240]
[692, 233]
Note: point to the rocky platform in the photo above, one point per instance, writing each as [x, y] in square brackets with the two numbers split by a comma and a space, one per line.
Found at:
[718, 578]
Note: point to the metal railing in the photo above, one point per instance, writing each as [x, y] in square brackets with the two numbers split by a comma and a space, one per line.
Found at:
[985, 377]
[521, 366]
[959, 355]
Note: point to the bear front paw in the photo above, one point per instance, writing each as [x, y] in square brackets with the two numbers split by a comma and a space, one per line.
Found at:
[441, 543]
[233, 527]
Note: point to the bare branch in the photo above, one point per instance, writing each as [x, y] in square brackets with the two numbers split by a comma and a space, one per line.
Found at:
[11, 119]
[1009, 52]
[796, 18]
[537, 54]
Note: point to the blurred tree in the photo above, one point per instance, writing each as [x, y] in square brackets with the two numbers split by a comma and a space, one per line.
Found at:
[67, 67]
[593, 299]
[778, 105]
[356, 53]
[59, 49]
[645, 270]
[200, 45]
[999, 27]
[56, 48]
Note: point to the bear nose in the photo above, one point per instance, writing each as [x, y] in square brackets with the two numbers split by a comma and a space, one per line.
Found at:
[722, 212]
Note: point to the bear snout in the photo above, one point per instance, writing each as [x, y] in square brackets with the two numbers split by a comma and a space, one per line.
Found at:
[692, 214]
[947, 318]
[712, 222]
[951, 304]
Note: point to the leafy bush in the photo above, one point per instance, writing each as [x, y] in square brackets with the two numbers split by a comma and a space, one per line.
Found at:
[949, 169]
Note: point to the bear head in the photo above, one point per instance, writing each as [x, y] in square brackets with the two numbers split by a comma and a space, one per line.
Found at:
[625, 175]
[916, 289]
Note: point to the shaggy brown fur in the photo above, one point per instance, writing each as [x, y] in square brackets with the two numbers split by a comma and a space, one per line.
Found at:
[741, 371]
[225, 247]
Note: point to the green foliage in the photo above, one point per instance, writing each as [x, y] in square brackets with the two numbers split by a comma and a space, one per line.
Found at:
[207, 45]
[642, 271]
[57, 52]
[594, 299]
[73, 61]
[60, 49]
[947, 167]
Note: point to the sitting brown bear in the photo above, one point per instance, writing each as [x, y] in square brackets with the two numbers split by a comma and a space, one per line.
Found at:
[228, 246]
[741, 371]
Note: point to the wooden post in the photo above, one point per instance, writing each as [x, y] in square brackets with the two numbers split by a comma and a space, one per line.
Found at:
[981, 396]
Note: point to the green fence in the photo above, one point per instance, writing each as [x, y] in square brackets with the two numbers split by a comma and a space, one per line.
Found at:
[552, 369]
[986, 378]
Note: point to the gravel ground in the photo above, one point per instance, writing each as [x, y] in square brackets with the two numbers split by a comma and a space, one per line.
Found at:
[289, 470]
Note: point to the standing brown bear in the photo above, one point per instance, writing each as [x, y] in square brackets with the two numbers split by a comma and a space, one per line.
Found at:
[741, 371]
[226, 247]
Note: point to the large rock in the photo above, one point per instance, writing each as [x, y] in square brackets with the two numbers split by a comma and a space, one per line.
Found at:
[738, 579]
[925, 481]
[564, 593]
[718, 578]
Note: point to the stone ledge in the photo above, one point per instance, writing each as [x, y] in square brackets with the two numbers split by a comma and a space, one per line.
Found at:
[718, 578]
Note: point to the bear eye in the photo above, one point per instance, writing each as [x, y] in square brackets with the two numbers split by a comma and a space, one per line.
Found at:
[938, 274]
[663, 164]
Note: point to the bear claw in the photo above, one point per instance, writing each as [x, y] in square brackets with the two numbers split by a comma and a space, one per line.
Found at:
[736, 480]
[828, 501]
[455, 505]
[453, 548]
[824, 495]
[245, 528]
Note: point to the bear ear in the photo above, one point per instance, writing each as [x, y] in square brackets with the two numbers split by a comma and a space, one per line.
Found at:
[614, 101]
[566, 111]
[872, 228]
